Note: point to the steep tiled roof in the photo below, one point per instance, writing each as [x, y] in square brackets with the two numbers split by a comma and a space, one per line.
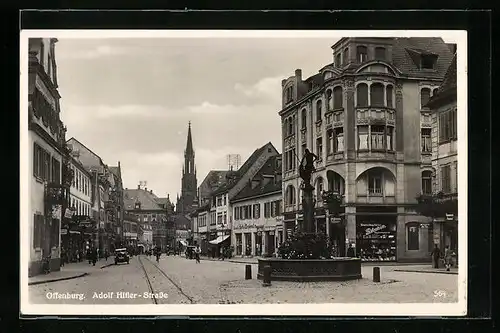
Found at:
[242, 171]
[216, 178]
[147, 199]
[114, 170]
[406, 56]
[450, 79]
[448, 88]
[270, 168]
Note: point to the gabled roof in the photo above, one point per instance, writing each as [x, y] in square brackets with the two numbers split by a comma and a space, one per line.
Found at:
[406, 54]
[114, 170]
[84, 146]
[242, 171]
[147, 199]
[447, 91]
[270, 168]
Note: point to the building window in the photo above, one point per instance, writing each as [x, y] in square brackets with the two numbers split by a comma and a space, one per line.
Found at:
[413, 239]
[289, 94]
[236, 213]
[362, 137]
[224, 218]
[377, 137]
[290, 195]
[390, 137]
[338, 61]
[224, 200]
[256, 211]
[339, 139]
[362, 95]
[377, 94]
[42, 54]
[345, 56]
[329, 100]
[427, 61]
[319, 147]
[41, 163]
[380, 53]
[374, 183]
[238, 244]
[446, 178]
[49, 68]
[318, 110]
[219, 201]
[425, 95]
[361, 54]
[219, 218]
[330, 143]
[426, 141]
[388, 92]
[448, 125]
[304, 118]
[427, 182]
[267, 209]
[337, 98]
[38, 230]
[319, 187]
[435, 91]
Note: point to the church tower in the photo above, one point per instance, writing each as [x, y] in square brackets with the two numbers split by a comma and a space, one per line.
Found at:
[189, 183]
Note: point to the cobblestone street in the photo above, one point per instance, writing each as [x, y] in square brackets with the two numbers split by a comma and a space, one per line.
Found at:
[215, 282]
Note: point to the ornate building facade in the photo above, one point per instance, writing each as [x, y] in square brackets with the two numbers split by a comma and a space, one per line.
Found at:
[51, 178]
[364, 117]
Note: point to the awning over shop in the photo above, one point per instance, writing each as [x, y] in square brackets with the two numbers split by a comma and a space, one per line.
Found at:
[183, 242]
[219, 240]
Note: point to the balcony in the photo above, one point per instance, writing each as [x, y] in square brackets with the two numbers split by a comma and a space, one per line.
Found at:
[375, 116]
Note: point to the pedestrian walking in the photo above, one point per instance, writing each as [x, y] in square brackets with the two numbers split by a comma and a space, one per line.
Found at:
[447, 257]
[350, 251]
[436, 254]
[94, 256]
[106, 254]
[197, 252]
[89, 255]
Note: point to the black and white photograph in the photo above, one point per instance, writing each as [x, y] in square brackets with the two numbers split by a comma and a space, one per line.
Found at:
[243, 172]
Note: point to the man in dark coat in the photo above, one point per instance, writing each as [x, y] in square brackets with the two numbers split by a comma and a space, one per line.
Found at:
[436, 254]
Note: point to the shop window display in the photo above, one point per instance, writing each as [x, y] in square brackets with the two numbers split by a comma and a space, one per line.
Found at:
[376, 241]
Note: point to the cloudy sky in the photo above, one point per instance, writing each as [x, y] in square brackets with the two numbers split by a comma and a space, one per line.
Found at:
[130, 100]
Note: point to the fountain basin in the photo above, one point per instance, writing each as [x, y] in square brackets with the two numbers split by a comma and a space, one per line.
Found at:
[301, 270]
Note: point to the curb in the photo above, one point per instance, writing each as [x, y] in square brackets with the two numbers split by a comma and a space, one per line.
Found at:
[107, 265]
[428, 272]
[58, 279]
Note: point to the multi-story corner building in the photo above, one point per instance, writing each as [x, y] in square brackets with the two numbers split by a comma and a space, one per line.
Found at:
[103, 221]
[144, 204]
[76, 229]
[221, 211]
[444, 176]
[363, 116]
[131, 232]
[117, 198]
[257, 210]
[201, 223]
[170, 226]
[47, 151]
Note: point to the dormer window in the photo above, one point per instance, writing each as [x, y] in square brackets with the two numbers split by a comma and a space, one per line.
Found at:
[137, 205]
[380, 53]
[428, 61]
[361, 54]
[289, 94]
[345, 56]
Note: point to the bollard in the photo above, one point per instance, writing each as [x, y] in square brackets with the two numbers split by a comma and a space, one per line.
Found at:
[376, 274]
[266, 281]
[248, 272]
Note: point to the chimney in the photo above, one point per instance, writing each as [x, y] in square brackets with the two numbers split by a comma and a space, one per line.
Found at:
[298, 74]
[146, 189]
[118, 163]
[283, 82]
[151, 191]
[138, 187]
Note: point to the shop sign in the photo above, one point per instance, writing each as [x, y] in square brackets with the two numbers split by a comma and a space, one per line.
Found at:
[68, 213]
[424, 225]
[64, 231]
[271, 233]
[450, 217]
[335, 219]
[374, 230]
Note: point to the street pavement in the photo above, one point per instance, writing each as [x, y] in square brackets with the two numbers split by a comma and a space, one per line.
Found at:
[222, 282]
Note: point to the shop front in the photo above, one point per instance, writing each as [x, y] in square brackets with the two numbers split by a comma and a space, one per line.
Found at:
[376, 237]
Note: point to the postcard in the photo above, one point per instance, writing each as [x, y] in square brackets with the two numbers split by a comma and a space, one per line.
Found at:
[253, 173]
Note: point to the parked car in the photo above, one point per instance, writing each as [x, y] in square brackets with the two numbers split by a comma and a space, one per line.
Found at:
[121, 255]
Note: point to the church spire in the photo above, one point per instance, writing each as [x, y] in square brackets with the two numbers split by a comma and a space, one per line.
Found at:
[189, 144]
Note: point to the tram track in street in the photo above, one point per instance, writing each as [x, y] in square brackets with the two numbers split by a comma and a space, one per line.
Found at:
[165, 275]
